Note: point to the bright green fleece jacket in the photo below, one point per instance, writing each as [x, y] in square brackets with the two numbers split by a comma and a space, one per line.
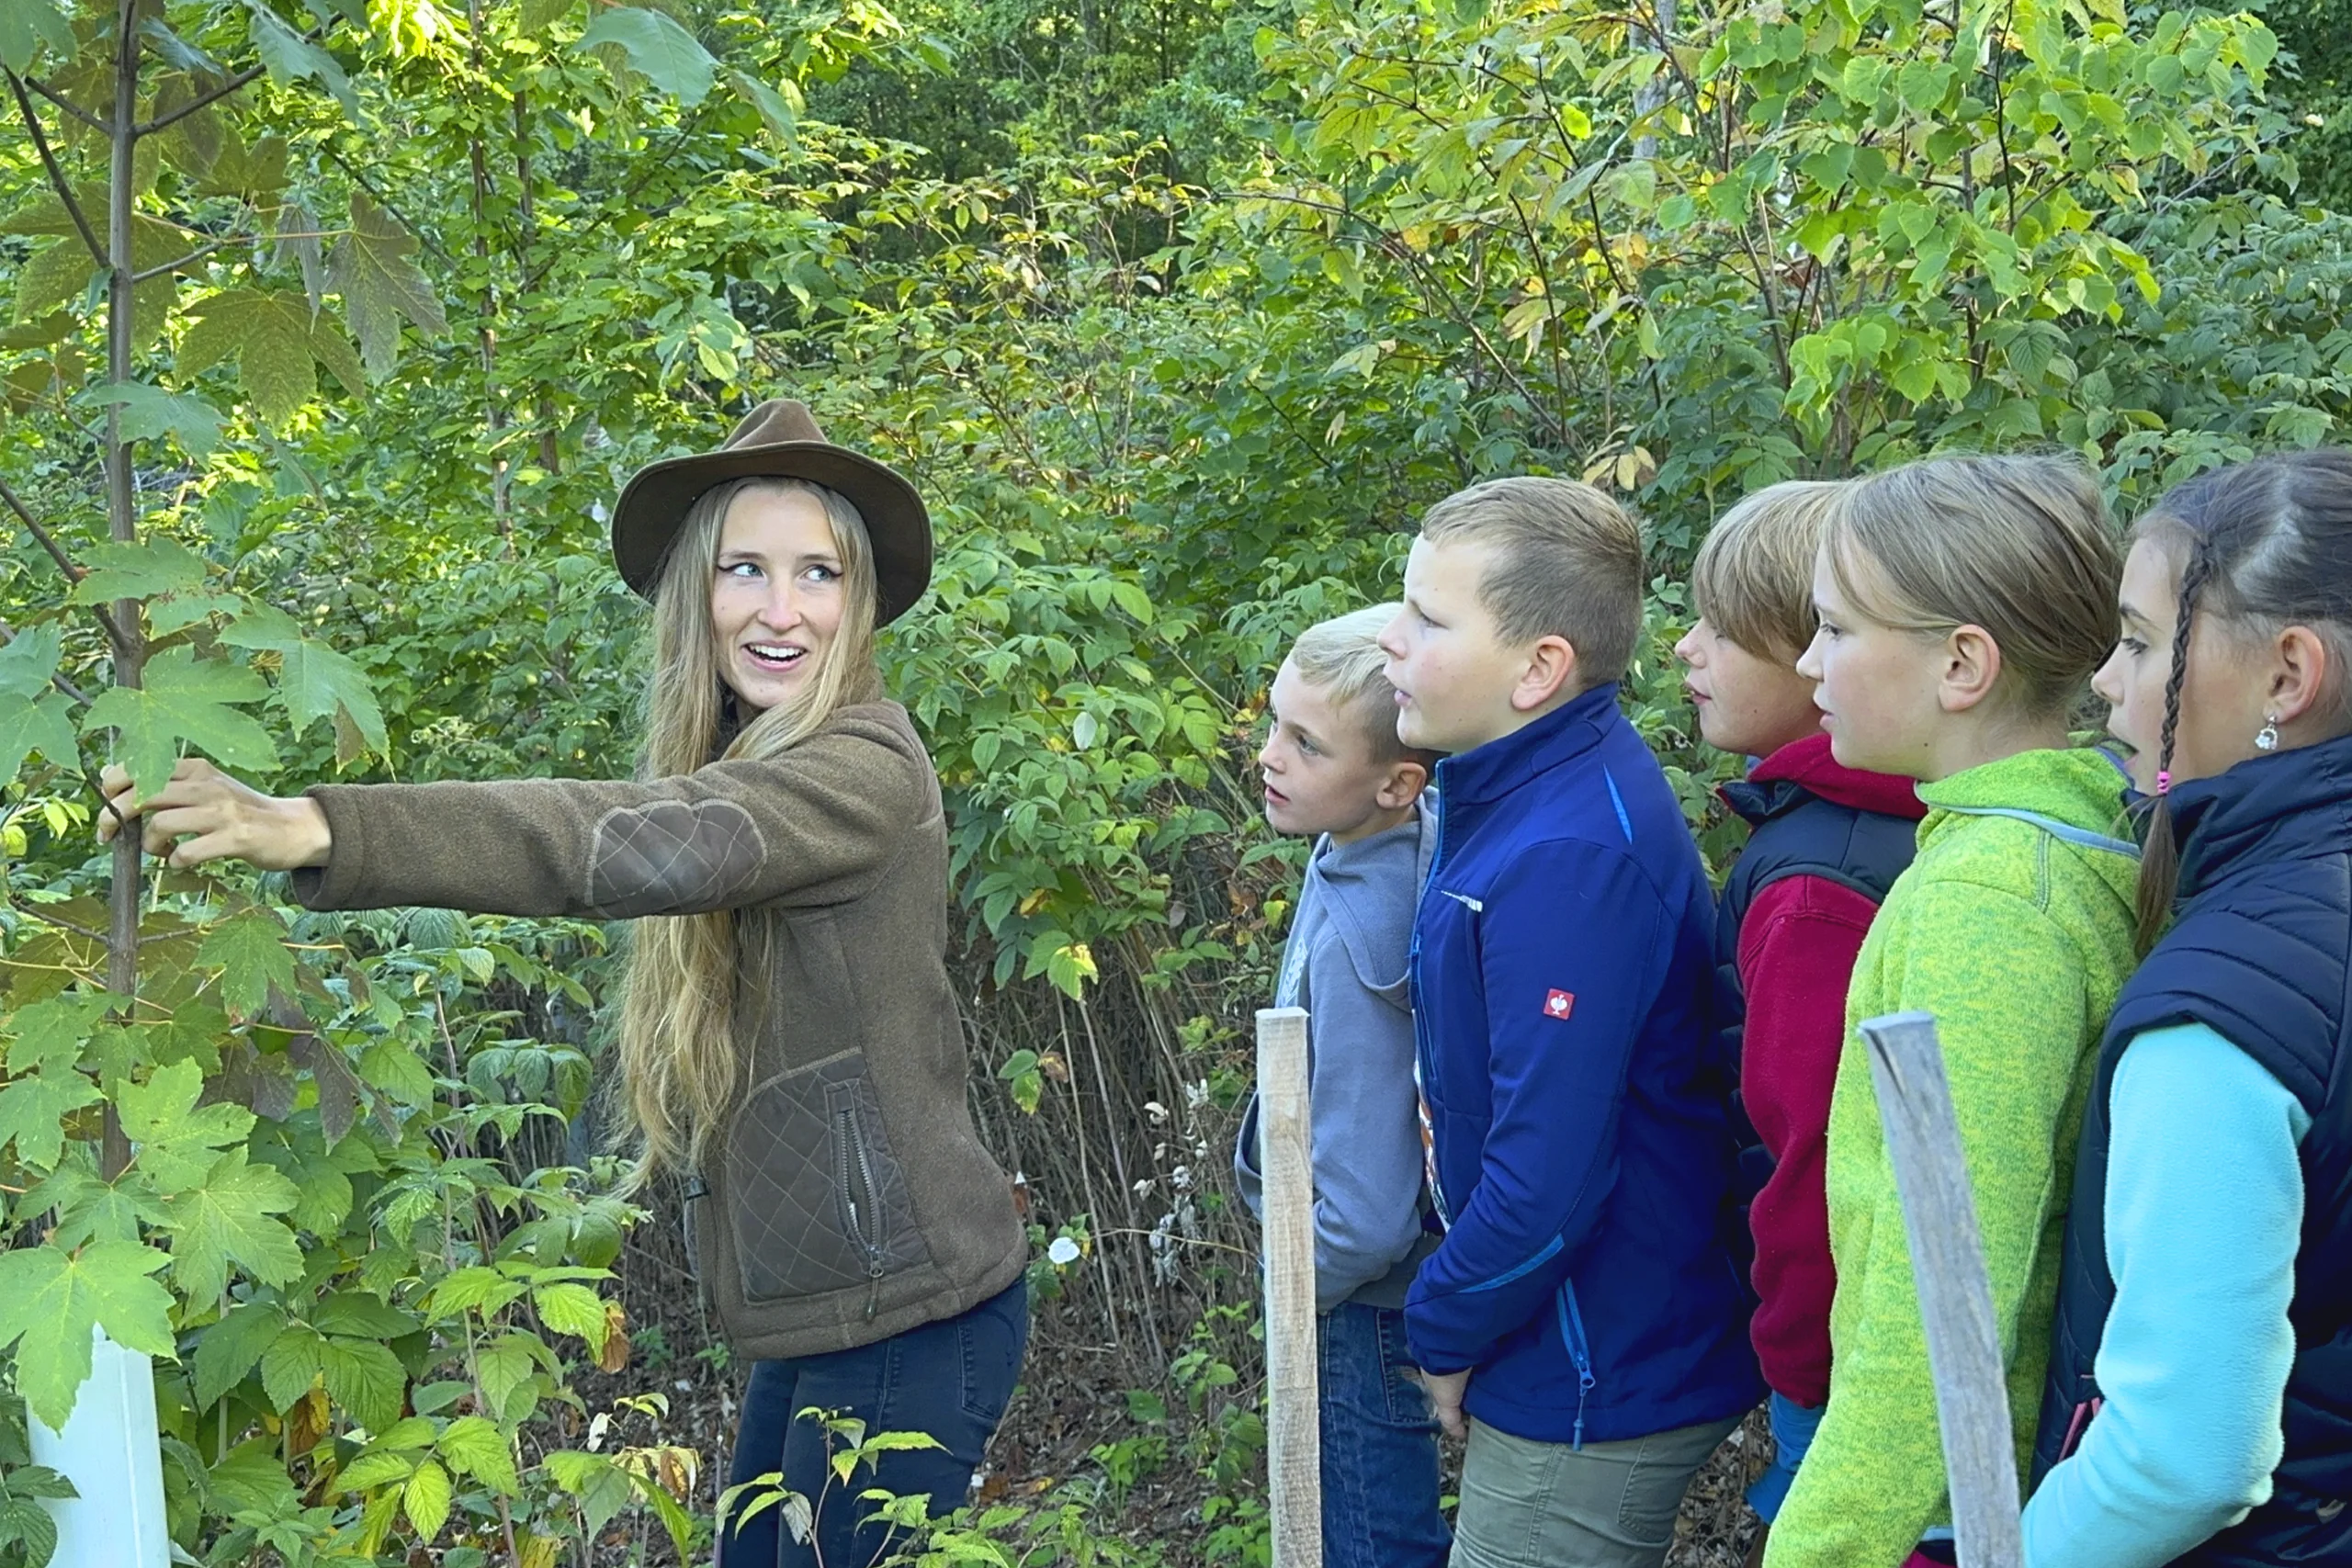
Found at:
[2013, 927]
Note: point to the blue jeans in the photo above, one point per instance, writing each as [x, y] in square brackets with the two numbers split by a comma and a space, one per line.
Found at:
[950, 1379]
[1380, 1476]
[1793, 1427]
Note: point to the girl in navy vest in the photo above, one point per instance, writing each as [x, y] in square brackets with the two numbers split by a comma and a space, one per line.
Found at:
[2209, 1252]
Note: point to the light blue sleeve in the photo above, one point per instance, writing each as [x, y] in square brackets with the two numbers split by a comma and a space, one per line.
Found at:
[2204, 1211]
[1364, 1123]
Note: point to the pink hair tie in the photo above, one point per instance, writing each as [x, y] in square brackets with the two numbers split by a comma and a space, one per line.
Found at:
[2164, 781]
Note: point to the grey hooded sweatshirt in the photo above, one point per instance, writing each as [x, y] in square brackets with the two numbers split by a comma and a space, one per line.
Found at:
[1346, 962]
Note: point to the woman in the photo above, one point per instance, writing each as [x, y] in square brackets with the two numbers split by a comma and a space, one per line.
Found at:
[788, 1035]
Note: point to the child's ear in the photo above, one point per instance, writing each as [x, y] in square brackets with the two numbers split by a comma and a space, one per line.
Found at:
[2299, 673]
[1550, 671]
[1972, 669]
[1404, 784]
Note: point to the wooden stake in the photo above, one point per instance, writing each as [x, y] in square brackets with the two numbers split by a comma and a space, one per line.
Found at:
[1955, 1290]
[1294, 1417]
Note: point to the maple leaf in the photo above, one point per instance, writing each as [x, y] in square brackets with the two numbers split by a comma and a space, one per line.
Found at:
[315, 682]
[51, 1300]
[252, 955]
[184, 699]
[370, 266]
[228, 1221]
[177, 1140]
[269, 334]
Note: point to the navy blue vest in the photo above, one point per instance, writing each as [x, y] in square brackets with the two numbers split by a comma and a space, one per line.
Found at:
[2261, 952]
[1793, 832]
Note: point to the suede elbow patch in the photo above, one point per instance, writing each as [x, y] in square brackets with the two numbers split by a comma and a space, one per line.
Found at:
[674, 855]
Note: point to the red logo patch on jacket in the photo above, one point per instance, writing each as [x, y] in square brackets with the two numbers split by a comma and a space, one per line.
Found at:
[1559, 1004]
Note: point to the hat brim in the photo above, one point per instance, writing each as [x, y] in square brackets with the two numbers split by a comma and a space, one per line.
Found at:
[652, 507]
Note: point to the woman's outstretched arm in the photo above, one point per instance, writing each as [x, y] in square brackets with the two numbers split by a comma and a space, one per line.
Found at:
[811, 827]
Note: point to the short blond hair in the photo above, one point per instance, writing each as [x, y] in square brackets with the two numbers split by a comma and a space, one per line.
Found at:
[1567, 563]
[2021, 546]
[1342, 657]
[1753, 576]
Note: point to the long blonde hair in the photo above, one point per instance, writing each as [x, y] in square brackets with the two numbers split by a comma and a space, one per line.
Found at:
[688, 1015]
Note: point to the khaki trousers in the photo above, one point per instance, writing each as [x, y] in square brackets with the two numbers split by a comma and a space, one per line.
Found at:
[1531, 1505]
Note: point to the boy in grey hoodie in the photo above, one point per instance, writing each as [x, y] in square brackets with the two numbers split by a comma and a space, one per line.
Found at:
[1334, 768]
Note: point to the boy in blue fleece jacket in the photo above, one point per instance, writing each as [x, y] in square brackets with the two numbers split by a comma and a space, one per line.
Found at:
[1585, 1310]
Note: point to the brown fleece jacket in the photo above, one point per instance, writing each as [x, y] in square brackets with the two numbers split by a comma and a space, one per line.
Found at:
[850, 1198]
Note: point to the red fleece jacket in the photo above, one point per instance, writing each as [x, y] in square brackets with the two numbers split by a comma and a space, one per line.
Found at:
[1796, 951]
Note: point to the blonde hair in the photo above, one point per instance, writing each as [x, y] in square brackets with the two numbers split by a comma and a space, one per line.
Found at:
[687, 1016]
[1567, 563]
[1753, 576]
[1343, 655]
[2020, 546]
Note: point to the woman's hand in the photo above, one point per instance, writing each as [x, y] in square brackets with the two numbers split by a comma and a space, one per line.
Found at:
[203, 814]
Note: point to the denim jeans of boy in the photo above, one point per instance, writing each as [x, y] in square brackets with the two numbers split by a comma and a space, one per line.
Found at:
[1794, 1425]
[950, 1379]
[1380, 1475]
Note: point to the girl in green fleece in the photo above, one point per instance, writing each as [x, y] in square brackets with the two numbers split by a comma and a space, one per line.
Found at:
[1965, 602]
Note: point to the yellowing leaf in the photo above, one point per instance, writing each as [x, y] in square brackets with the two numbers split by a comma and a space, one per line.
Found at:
[426, 1500]
[475, 1447]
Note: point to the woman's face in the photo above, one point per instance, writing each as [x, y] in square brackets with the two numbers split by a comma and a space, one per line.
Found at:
[775, 595]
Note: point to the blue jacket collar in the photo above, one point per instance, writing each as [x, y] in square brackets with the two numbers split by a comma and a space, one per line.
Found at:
[2284, 805]
[1490, 772]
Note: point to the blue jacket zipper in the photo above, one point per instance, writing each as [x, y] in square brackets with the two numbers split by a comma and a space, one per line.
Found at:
[1421, 1052]
[1580, 1352]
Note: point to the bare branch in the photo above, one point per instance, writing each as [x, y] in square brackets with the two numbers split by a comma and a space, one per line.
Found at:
[189, 260]
[56, 176]
[67, 104]
[48, 541]
[206, 100]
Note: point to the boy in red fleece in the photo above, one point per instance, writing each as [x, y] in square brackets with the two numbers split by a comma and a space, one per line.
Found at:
[1827, 843]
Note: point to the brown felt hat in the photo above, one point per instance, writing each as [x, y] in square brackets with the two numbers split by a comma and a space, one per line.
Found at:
[778, 440]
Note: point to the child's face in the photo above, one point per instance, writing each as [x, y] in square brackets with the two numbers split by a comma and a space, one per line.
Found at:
[1319, 767]
[1749, 703]
[1454, 677]
[2221, 701]
[1877, 686]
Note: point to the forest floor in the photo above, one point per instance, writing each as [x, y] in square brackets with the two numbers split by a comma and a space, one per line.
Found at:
[1073, 1401]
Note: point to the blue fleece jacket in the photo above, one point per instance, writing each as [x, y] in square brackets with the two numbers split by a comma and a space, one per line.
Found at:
[2204, 1212]
[1349, 940]
[1577, 1098]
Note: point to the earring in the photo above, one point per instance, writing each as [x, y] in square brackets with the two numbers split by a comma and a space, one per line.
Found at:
[2267, 738]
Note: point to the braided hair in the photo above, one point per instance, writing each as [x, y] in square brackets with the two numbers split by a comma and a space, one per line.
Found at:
[2268, 546]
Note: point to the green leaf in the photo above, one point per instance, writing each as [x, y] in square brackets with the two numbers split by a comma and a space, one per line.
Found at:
[315, 682]
[365, 1379]
[184, 699]
[473, 1289]
[149, 411]
[372, 268]
[332, 349]
[393, 1068]
[668, 55]
[269, 334]
[252, 955]
[426, 1500]
[234, 1346]
[55, 275]
[290, 57]
[25, 24]
[475, 1447]
[774, 111]
[49, 1034]
[32, 1111]
[29, 659]
[176, 1140]
[49, 1301]
[158, 564]
[575, 1310]
[290, 1365]
[22, 1520]
[362, 1317]
[228, 1221]
[44, 725]
[370, 1471]
[538, 15]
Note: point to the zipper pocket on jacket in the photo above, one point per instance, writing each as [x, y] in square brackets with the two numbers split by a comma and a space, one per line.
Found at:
[860, 1202]
[1580, 1352]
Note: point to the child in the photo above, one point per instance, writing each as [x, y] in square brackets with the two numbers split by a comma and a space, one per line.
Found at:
[1335, 771]
[1827, 843]
[2205, 1291]
[1963, 602]
[1584, 1307]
